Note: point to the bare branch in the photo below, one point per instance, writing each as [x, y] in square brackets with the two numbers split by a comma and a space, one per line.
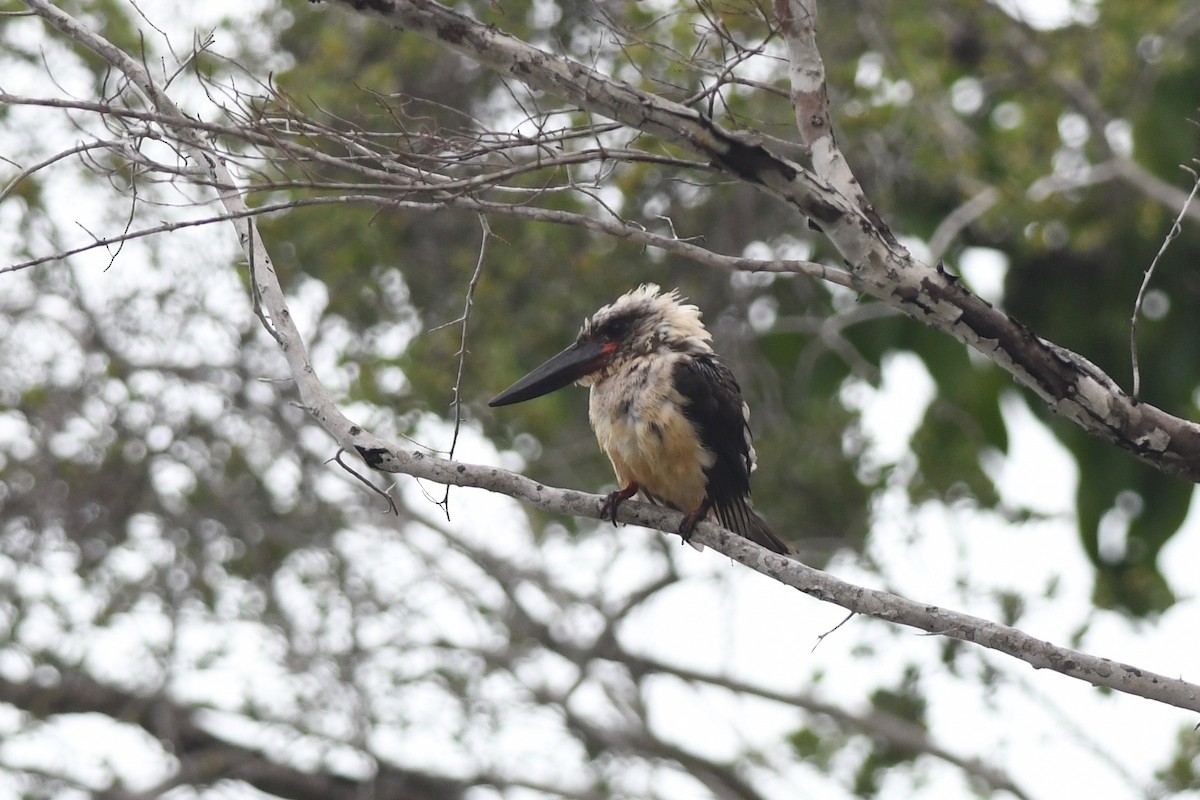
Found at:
[619, 229]
[1074, 386]
[958, 220]
[882, 605]
[1067, 382]
[382, 493]
[810, 97]
[465, 321]
[897, 732]
[1172, 234]
[204, 756]
[1155, 188]
[82, 147]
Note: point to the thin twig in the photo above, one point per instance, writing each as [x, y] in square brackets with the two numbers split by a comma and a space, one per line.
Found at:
[390, 501]
[617, 228]
[465, 319]
[133, 205]
[821, 638]
[1176, 229]
[33, 168]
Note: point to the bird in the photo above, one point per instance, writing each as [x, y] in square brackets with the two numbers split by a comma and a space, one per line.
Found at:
[665, 410]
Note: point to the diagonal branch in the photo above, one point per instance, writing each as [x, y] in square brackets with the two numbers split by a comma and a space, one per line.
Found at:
[386, 456]
[810, 99]
[886, 606]
[899, 733]
[1067, 382]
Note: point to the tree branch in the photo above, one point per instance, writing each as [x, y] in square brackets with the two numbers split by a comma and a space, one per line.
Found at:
[810, 100]
[1172, 234]
[197, 749]
[1067, 382]
[898, 732]
[936, 292]
[388, 190]
[882, 605]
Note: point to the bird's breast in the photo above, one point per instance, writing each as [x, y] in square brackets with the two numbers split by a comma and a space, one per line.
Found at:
[639, 420]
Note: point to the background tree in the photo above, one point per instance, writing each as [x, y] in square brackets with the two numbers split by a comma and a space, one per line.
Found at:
[178, 556]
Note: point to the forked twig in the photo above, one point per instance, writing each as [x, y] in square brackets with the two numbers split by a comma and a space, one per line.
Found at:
[821, 638]
[381, 492]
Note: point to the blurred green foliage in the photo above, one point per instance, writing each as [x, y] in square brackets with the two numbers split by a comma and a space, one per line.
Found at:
[1181, 775]
[933, 108]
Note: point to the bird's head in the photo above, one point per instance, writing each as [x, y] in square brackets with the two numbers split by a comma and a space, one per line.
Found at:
[638, 323]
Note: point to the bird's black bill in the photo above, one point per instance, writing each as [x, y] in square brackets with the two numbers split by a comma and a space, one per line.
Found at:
[567, 367]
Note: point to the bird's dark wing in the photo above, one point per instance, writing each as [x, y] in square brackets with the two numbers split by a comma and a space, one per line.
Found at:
[715, 407]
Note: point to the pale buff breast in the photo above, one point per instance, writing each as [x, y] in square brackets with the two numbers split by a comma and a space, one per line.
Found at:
[638, 419]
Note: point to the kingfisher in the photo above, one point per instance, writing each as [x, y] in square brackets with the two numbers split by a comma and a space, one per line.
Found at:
[665, 410]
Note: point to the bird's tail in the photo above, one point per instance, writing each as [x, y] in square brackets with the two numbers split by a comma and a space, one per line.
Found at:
[743, 520]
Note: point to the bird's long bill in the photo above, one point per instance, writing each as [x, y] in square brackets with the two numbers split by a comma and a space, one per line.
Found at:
[567, 367]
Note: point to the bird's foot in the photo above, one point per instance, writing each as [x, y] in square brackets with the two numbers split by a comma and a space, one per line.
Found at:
[691, 520]
[608, 509]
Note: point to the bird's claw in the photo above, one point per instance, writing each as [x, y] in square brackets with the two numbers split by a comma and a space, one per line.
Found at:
[608, 509]
[690, 520]
[688, 527]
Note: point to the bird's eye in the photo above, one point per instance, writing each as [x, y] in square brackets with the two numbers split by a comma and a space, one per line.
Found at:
[616, 330]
